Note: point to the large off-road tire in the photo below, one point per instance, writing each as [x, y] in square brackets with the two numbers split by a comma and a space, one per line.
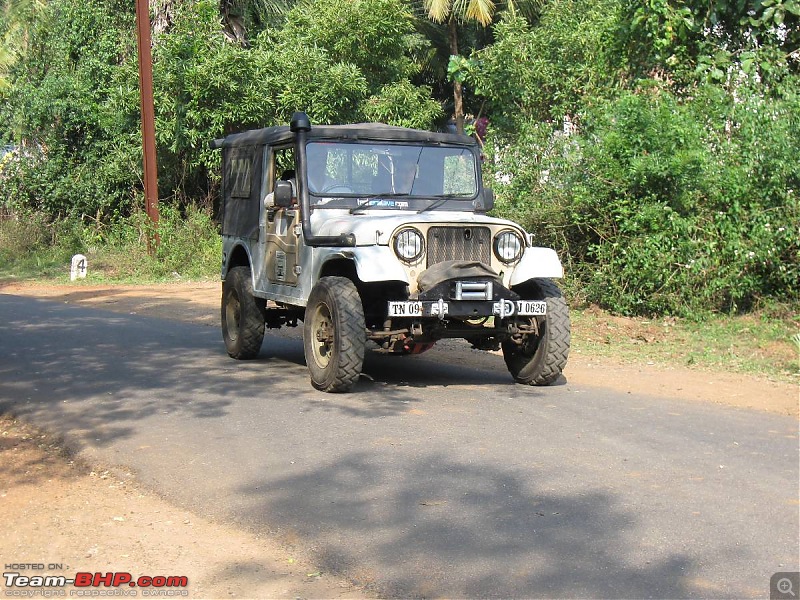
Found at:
[334, 334]
[540, 359]
[243, 315]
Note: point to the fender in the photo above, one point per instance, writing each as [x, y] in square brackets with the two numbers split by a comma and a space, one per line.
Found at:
[378, 263]
[537, 262]
[373, 263]
[235, 247]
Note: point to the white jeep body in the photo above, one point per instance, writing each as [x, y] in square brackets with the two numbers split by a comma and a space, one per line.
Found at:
[394, 221]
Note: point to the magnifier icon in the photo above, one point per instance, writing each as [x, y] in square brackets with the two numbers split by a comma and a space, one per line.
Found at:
[785, 586]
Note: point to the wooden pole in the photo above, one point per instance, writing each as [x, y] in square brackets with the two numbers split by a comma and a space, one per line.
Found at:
[148, 117]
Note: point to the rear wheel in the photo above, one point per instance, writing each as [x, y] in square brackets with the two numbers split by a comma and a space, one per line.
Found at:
[243, 315]
[334, 334]
[539, 359]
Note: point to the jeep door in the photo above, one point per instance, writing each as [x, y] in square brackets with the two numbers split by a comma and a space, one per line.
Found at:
[281, 225]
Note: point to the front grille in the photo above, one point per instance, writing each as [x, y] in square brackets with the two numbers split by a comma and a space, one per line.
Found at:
[459, 243]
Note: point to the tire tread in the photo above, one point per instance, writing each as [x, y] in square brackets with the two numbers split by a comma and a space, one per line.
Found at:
[252, 315]
[547, 368]
[352, 338]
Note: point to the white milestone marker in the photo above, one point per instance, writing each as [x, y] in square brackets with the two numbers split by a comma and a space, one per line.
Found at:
[78, 269]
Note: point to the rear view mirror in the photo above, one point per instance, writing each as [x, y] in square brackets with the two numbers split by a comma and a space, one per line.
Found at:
[283, 194]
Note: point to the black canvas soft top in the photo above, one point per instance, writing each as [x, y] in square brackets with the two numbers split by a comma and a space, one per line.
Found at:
[377, 132]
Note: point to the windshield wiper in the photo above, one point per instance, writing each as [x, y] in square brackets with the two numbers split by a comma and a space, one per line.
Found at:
[441, 199]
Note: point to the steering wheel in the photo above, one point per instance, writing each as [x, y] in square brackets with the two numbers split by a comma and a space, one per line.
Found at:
[337, 188]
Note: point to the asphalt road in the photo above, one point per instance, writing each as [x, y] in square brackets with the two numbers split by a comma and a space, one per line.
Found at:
[434, 478]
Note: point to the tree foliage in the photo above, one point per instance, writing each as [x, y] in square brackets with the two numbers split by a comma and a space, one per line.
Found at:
[672, 190]
[67, 108]
[654, 144]
[549, 70]
[714, 40]
[75, 97]
[16, 16]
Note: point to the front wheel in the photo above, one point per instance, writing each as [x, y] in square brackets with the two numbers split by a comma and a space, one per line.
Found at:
[539, 359]
[243, 315]
[334, 334]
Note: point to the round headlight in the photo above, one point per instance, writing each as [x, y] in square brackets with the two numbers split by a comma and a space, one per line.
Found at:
[508, 246]
[408, 245]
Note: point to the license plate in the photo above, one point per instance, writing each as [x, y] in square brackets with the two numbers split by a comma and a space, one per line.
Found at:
[405, 309]
[531, 308]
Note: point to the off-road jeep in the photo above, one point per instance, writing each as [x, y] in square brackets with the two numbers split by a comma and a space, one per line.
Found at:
[374, 233]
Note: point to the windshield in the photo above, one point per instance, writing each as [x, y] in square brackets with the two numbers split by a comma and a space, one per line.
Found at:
[365, 172]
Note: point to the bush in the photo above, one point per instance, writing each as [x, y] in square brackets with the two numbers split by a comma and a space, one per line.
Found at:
[190, 245]
[661, 206]
[190, 242]
[21, 233]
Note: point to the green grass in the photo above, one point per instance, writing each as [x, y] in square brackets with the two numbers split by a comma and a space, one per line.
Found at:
[759, 344]
[44, 264]
[190, 248]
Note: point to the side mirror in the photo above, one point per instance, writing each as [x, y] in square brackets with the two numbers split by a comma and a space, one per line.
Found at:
[485, 201]
[283, 194]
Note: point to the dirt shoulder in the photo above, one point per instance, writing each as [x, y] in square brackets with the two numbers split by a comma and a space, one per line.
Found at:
[56, 510]
[62, 512]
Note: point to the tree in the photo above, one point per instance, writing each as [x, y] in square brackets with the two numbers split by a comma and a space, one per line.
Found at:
[712, 39]
[547, 71]
[239, 16]
[441, 11]
[240, 19]
[452, 12]
[15, 17]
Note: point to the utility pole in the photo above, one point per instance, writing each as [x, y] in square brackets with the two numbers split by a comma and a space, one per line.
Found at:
[148, 117]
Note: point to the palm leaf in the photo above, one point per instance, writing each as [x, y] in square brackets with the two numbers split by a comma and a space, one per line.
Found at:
[438, 10]
[481, 11]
